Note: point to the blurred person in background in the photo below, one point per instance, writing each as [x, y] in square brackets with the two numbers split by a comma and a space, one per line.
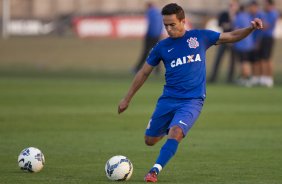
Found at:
[225, 21]
[270, 17]
[255, 11]
[153, 33]
[245, 48]
[183, 54]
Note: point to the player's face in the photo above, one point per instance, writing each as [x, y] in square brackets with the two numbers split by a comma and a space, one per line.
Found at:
[233, 6]
[175, 28]
[253, 9]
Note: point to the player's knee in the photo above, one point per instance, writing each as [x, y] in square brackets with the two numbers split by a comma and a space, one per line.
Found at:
[176, 133]
[149, 142]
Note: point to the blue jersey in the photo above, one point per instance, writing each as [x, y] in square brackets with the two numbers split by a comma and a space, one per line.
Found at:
[185, 61]
[270, 18]
[155, 22]
[257, 34]
[243, 19]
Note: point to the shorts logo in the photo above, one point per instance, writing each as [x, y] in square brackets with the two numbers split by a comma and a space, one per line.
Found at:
[181, 122]
[149, 124]
[193, 43]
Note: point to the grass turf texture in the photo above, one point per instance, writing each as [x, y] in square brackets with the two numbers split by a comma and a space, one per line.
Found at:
[61, 95]
[74, 121]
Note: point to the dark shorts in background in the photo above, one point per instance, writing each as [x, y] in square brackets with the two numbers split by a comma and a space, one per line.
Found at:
[265, 48]
[248, 56]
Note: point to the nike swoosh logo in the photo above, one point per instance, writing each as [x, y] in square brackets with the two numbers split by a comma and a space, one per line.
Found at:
[170, 50]
[183, 123]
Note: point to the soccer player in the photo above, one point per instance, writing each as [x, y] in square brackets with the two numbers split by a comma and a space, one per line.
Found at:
[270, 18]
[153, 34]
[225, 21]
[184, 58]
[245, 48]
[255, 12]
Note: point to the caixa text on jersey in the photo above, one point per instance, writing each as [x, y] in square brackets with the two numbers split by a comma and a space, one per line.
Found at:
[185, 60]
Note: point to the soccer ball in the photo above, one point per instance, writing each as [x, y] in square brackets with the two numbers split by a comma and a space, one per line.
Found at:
[31, 159]
[119, 168]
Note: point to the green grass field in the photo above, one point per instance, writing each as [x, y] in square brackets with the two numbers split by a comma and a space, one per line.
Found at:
[237, 138]
[61, 96]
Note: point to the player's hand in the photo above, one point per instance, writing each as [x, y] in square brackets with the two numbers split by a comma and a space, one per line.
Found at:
[122, 105]
[257, 23]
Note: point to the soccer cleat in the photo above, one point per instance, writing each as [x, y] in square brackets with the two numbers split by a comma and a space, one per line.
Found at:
[151, 177]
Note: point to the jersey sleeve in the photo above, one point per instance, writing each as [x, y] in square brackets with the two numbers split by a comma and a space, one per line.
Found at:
[154, 57]
[210, 37]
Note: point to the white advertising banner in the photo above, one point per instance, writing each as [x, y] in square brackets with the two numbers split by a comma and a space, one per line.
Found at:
[116, 27]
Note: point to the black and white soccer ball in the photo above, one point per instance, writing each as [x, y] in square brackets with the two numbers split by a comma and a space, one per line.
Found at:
[31, 159]
[119, 168]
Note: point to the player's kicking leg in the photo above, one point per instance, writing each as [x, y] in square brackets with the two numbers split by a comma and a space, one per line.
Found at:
[151, 141]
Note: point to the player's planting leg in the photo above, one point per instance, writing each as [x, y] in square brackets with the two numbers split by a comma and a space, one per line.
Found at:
[167, 151]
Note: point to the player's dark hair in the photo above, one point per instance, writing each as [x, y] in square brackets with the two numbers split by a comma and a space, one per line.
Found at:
[253, 2]
[174, 8]
[271, 2]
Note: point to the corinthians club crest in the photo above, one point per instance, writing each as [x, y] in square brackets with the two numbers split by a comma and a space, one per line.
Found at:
[193, 43]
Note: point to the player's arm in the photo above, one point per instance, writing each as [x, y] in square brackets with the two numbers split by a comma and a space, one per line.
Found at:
[239, 34]
[138, 81]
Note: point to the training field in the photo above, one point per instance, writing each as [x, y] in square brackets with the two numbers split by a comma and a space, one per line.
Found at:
[50, 99]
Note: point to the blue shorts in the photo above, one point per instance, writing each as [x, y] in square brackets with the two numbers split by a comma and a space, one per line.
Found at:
[172, 111]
